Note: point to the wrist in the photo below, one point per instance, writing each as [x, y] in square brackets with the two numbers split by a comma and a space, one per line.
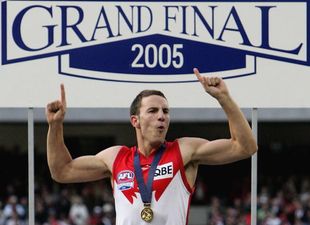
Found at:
[56, 125]
[224, 99]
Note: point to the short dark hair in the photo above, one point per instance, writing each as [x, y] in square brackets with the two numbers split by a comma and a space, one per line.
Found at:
[136, 103]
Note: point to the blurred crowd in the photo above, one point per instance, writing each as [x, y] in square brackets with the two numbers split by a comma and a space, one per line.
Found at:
[57, 204]
[281, 201]
[283, 198]
[287, 205]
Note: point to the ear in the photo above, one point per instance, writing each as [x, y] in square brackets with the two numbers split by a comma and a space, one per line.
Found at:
[134, 120]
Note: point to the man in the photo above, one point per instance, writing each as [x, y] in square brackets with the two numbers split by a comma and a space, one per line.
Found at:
[152, 182]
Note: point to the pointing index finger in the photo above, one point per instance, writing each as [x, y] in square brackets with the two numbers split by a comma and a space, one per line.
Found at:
[63, 95]
[199, 77]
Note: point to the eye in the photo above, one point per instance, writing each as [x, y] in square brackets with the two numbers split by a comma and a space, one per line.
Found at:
[152, 110]
[166, 110]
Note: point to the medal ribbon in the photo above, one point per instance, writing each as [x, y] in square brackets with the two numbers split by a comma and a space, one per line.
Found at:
[146, 189]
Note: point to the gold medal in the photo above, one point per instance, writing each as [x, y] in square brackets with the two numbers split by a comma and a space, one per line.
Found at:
[147, 213]
[145, 189]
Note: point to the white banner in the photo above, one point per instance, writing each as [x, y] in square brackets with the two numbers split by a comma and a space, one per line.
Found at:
[106, 52]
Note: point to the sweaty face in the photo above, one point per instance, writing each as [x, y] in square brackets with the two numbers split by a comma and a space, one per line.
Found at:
[154, 119]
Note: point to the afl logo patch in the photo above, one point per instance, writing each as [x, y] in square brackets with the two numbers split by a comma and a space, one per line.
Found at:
[125, 180]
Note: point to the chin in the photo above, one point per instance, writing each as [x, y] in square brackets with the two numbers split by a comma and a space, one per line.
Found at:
[159, 141]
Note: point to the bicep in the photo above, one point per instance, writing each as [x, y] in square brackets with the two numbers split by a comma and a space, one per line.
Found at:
[89, 168]
[220, 151]
[83, 169]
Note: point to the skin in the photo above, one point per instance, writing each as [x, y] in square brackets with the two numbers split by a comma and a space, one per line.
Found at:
[151, 126]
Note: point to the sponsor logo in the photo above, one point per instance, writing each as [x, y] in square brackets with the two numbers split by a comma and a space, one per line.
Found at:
[155, 41]
[125, 180]
[164, 171]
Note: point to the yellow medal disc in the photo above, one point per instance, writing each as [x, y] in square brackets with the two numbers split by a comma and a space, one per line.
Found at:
[147, 214]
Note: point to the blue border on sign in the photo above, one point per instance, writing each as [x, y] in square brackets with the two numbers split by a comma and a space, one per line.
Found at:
[5, 59]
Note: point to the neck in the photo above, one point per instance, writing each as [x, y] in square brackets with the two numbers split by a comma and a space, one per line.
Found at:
[146, 150]
[145, 146]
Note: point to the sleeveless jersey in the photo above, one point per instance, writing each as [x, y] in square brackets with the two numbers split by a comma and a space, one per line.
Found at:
[171, 193]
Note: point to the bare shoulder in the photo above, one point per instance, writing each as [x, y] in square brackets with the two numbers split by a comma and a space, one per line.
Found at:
[188, 147]
[108, 155]
[110, 151]
[191, 143]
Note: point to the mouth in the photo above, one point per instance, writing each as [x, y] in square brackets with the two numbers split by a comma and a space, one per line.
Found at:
[161, 128]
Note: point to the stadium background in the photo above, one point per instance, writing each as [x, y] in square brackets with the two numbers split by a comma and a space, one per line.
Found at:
[222, 192]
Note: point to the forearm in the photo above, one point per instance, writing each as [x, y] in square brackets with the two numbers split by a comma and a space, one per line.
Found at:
[58, 155]
[240, 130]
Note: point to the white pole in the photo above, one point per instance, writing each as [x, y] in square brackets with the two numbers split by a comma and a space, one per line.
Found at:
[254, 172]
[31, 166]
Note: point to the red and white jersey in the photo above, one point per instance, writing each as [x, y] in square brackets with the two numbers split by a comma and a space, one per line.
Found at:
[171, 192]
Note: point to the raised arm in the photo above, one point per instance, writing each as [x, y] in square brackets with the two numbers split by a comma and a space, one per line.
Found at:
[63, 168]
[241, 144]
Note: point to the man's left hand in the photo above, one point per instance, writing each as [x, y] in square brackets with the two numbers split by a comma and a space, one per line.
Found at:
[215, 86]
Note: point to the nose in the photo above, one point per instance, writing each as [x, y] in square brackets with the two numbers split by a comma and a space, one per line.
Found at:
[161, 115]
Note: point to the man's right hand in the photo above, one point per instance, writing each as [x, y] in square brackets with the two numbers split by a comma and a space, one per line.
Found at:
[55, 111]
